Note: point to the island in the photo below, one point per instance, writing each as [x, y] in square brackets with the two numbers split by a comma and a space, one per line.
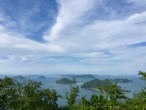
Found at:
[32, 76]
[96, 83]
[121, 80]
[84, 76]
[42, 76]
[19, 77]
[65, 81]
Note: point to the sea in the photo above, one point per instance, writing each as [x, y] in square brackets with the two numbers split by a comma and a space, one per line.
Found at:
[62, 89]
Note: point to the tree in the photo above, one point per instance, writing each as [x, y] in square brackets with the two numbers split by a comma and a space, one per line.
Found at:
[96, 102]
[138, 102]
[9, 94]
[112, 91]
[49, 99]
[27, 95]
[143, 77]
[71, 98]
[143, 74]
[74, 79]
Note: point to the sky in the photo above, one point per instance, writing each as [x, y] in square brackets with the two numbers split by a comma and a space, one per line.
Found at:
[72, 36]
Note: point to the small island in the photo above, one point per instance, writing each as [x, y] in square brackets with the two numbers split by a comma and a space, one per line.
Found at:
[32, 76]
[121, 81]
[19, 77]
[65, 81]
[42, 76]
[84, 76]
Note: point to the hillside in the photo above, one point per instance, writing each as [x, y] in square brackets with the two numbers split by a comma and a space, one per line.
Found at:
[42, 76]
[19, 77]
[65, 81]
[95, 83]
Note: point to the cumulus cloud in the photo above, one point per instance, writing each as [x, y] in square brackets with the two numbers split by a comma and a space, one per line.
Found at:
[109, 35]
[102, 45]
[14, 41]
[70, 12]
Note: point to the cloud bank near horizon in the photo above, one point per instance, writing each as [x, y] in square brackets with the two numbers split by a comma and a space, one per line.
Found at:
[78, 36]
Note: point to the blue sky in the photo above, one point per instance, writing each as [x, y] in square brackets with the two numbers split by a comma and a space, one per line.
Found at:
[76, 36]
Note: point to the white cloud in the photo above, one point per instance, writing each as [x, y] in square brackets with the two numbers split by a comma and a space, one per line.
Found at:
[70, 12]
[104, 35]
[113, 36]
[89, 42]
[14, 41]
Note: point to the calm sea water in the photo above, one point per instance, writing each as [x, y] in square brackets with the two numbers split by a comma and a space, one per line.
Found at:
[49, 82]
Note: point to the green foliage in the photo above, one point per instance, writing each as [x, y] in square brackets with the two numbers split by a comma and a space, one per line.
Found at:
[95, 83]
[65, 81]
[71, 98]
[108, 99]
[112, 91]
[112, 98]
[136, 103]
[74, 80]
[9, 96]
[143, 92]
[28, 95]
[143, 74]
[96, 103]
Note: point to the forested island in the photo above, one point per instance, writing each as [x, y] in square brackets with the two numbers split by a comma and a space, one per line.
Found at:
[93, 84]
[65, 81]
[41, 76]
[80, 76]
[97, 83]
[84, 76]
[121, 80]
[20, 77]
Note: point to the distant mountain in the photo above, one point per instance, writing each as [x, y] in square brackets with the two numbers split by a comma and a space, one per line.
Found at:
[20, 77]
[42, 76]
[121, 80]
[65, 81]
[32, 76]
[84, 76]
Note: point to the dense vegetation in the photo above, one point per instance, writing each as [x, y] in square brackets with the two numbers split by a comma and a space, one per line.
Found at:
[28, 95]
[93, 84]
[96, 83]
[66, 81]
